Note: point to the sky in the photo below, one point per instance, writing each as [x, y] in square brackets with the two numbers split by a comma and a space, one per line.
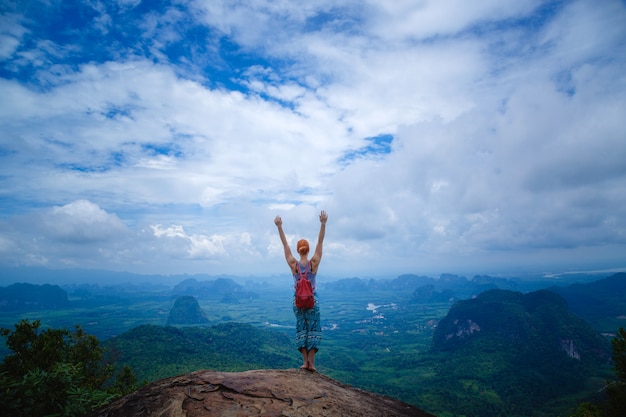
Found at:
[440, 136]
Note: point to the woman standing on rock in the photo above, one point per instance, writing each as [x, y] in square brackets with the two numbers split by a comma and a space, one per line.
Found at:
[308, 328]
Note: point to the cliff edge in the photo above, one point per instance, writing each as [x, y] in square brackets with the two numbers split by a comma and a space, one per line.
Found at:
[289, 392]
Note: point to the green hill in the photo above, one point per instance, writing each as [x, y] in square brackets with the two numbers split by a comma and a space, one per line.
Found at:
[514, 354]
[602, 302]
[155, 352]
[21, 297]
[186, 311]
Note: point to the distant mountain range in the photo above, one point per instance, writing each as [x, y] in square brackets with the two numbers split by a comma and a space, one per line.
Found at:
[224, 289]
[32, 297]
[597, 300]
[451, 287]
[40, 275]
[77, 276]
[497, 351]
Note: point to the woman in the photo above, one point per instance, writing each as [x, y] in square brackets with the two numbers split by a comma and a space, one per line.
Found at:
[308, 328]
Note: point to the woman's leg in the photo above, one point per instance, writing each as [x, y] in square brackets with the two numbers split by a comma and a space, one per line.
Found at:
[313, 333]
[313, 327]
[301, 335]
[311, 360]
[305, 359]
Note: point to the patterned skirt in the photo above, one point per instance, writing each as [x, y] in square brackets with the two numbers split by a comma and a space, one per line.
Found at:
[308, 327]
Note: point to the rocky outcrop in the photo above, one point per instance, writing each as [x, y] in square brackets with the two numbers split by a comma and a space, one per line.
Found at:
[291, 392]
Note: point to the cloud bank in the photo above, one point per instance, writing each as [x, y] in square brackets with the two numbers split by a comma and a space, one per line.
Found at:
[439, 136]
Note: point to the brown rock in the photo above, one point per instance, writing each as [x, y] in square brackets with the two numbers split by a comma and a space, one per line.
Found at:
[290, 392]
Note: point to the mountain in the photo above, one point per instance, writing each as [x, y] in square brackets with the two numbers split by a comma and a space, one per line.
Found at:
[224, 289]
[186, 311]
[32, 297]
[69, 276]
[597, 300]
[268, 393]
[523, 351]
[405, 283]
[427, 294]
[423, 289]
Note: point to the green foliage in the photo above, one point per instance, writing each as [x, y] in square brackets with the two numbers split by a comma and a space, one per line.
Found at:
[615, 403]
[125, 382]
[186, 310]
[157, 352]
[600, 302]
[384, 351]
[619, 355]
[55, 372]
[587, 409]
[60, 390]
[43, 350]
[515, 352]
[616, 390]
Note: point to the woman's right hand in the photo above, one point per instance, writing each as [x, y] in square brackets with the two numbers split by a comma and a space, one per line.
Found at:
[278, 221]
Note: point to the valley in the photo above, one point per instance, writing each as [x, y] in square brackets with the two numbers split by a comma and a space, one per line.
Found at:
[377, 339]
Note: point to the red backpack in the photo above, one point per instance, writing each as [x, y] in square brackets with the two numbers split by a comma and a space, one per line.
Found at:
[304, 289]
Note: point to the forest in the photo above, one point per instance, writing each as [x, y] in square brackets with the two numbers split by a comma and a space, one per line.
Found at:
[451, 346]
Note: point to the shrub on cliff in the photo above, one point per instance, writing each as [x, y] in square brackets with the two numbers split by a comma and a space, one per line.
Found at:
[56, 372]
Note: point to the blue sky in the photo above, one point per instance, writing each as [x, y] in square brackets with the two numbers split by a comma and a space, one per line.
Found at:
[440, 136]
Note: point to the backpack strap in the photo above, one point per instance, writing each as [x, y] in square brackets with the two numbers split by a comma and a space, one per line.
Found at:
[299, 270]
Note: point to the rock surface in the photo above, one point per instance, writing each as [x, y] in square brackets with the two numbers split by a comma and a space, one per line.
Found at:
[290, 392]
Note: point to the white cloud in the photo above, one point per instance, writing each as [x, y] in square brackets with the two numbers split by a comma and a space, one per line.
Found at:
[180, 245]
[203, 246]
[115, 110]
[171, 231]
[129, 3]
[8, 44]
[402, 20]
[197, 246]
[583, 31]
[11, 34]
[507, 123]
[81, 222]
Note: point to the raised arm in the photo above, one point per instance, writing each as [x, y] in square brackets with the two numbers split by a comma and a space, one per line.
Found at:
[317, 256]
[291, 261]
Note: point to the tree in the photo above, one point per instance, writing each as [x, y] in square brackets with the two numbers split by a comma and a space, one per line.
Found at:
[616, 390]
[56, 371]
[587, 409]
[615, 405]
[619, 355]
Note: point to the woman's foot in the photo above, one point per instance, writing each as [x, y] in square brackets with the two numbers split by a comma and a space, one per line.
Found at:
[310, 367]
